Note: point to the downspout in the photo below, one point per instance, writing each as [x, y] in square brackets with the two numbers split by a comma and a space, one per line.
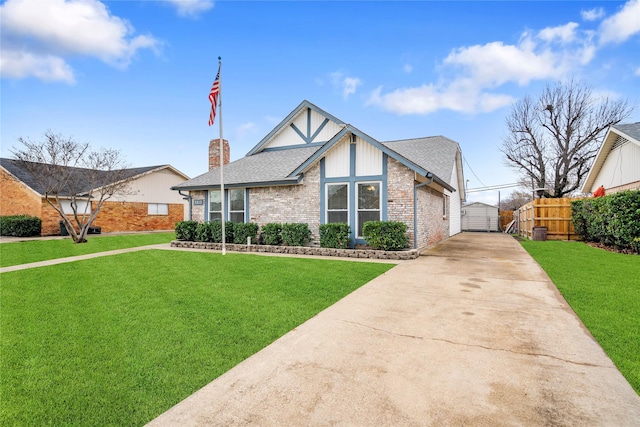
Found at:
[187, 197]
[415, 208]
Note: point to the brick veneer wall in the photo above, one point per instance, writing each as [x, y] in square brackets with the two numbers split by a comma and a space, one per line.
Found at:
[133, 216]
[433, 227]
[630, 186]
[292, 203]
[16, 198]
[400, 195]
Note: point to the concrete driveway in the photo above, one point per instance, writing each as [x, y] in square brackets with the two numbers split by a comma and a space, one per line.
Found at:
[473, 333]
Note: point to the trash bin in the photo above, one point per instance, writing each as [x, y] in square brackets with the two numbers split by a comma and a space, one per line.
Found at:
[540, 233]
[63, 229]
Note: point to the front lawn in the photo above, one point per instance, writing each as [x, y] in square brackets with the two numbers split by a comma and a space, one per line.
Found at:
[120, 339]
[603, 288]
[41, 250]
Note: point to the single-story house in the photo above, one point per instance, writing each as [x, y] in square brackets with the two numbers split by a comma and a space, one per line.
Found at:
[478, 216]
[314, 168]
[149, 206]
[617, 164]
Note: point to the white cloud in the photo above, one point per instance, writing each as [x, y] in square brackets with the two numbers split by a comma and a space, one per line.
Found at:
[408, 68]
[15, 64]
[621, 26]
[470, 75]
[48, 33]
[347, 84]
[592, 14]
[563, 34]
[637, 72]
[191, 8]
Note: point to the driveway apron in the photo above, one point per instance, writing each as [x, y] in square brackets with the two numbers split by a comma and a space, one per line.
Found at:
[471, 333]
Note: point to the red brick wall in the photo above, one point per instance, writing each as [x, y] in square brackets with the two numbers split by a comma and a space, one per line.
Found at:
[16, 198]
[133, 216]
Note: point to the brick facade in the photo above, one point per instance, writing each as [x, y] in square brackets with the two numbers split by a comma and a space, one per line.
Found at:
[292, 203]
[400, 195]
[625, 187]
[16, 198]
[301, 203]
[133, 216]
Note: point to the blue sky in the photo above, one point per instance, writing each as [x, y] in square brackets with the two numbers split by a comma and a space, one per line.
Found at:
[135, 75]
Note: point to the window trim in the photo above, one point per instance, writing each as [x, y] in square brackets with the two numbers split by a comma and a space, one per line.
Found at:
[327, 210]
[244, 204]
[210, 211]
[157, 209]
[357, 208]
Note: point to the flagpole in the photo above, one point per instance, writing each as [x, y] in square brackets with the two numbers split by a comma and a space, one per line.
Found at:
[224, 235]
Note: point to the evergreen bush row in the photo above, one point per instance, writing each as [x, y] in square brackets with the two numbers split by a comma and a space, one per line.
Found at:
[612, 220]
[20, 226]
[294, 234]
[380, 235]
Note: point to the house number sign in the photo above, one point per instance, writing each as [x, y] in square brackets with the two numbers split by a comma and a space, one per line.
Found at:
[197, 202]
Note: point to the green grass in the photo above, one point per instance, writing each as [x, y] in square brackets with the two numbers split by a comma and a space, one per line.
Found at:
[120, 339]
[41, 250]
[603, 288]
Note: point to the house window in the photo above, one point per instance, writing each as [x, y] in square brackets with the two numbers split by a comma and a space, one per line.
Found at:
[337, 203]
[368, 203]
[157, 209]
[236, 205]
[215, 205]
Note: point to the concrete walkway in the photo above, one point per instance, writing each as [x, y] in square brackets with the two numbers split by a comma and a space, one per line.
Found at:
[472, 334]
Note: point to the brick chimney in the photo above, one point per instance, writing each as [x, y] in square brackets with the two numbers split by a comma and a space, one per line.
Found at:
[214, 153]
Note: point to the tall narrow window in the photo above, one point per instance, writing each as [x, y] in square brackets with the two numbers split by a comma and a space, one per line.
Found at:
[444, 205]
[337, 203]
[368, 203]
[236, 205]
[215, 205]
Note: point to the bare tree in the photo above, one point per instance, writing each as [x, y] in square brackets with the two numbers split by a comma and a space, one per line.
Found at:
[553, 139]
[516, 199]
[73, 172]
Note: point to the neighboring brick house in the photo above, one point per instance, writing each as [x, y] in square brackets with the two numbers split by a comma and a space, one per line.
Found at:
[314, 168]
[617, 164]
[150, 206]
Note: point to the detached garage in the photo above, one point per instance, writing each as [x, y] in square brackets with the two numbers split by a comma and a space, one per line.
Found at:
[478, 216]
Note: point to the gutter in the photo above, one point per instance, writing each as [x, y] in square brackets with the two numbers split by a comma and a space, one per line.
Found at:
[415, 208]
[187, 197]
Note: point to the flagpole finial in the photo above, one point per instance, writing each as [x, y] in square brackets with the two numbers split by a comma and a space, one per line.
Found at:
[219, 58]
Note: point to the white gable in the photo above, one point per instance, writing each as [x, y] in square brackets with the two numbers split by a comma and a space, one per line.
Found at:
[307, 127]
[621, 166]
[336, 161]
[368, 159]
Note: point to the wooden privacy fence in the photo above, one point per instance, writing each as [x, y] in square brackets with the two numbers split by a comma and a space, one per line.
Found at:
[555, 214]
[505, 218]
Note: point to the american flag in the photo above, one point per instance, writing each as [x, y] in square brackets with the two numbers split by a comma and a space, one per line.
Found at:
[213, 97]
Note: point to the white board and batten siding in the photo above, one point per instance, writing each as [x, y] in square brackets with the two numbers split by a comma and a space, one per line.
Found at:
[622, 166]
[480, 217]
[338, 159]
[455, 218]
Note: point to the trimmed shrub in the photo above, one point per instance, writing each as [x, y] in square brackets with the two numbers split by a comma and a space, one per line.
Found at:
[295, 234]
[186, 230]
[271, 234]
[216, 231]
[204, 232]
[243, 230]
[335, 235]
[611, 220]
[20, 226]
[386, 235]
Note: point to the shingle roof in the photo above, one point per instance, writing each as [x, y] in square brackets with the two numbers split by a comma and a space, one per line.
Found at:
[264, 168]
[631, 129]
[285, 165]
[23, 171]
[436, 154]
